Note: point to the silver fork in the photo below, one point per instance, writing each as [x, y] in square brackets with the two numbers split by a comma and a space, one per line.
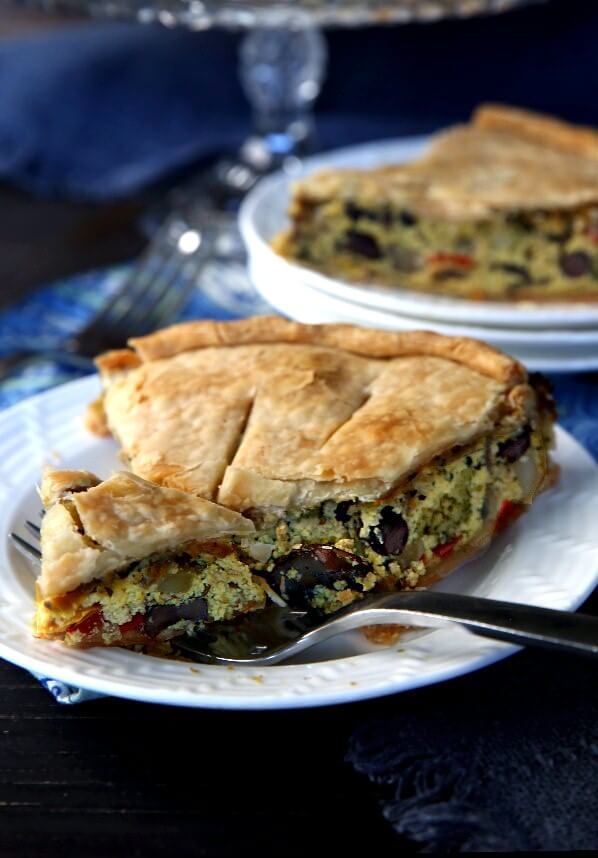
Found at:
[150, 296]
[276, 634]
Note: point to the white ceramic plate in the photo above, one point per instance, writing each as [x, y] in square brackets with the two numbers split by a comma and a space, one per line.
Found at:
[548, 351]
[271, 274]
[263, 214]
[548, 558]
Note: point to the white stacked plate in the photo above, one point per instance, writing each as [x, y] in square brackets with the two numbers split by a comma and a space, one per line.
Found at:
[550, 337]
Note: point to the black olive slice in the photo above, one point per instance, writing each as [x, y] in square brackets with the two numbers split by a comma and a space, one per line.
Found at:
[311, 565]
[520, 271]
[407, 218]
[160, 617]
[575, 264]
[391, 534]
[362, 244]
[355, 212]
[341, 513]
[514, 448]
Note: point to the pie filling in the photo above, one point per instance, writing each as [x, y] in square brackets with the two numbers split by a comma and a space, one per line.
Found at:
[536, 254]
[319, 559]
[155, 599]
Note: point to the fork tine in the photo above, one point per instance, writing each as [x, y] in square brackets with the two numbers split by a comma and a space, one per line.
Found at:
[174, 299]
[171, 285]
[161, 251]
[102, 320]
[135, 319]
[33, 529]
[136, 286]
[25, 547]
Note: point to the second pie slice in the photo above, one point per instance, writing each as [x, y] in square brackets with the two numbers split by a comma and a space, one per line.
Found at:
[502, 209]
[328, 461]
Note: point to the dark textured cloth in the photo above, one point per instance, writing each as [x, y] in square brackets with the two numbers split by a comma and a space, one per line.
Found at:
[505, 760]
[101, 110]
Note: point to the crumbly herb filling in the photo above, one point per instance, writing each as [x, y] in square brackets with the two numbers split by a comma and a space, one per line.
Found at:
[327, 557]
[162, 596]
[519, 255]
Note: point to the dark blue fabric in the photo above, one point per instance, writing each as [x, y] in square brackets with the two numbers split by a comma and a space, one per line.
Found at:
[505, 760]
[101, 110]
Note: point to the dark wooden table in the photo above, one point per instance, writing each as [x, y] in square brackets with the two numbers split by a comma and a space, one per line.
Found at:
[113, 777]
[117, 778]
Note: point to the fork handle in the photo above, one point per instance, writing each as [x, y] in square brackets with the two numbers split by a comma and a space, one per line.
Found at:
[491, 618]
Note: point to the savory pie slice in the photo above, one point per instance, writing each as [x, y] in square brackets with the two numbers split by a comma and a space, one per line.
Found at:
[505, 208]
[310, 463]
[125, 562]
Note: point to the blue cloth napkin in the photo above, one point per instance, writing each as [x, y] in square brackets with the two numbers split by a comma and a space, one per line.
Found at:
[61, 309]
[504, 760]
[99, 111]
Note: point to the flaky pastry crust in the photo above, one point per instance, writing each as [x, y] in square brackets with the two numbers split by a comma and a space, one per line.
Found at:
[88, 532]
[506, 160]
[265, 412]
[540, 128]
[58, 484]
[269, 330]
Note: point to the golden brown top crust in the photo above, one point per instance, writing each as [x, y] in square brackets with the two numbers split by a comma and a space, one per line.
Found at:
[506, 160]
[270, 413]
[92, 532]
[118, 360]
[367, 342]
[57, 484]
[546, 130]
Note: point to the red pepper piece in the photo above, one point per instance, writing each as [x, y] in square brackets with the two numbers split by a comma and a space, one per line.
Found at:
[508, 512]
[446, 548]
[135, 624]
[461, 260]
[91, 623]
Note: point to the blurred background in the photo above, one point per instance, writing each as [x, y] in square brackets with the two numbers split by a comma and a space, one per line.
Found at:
[98, 119]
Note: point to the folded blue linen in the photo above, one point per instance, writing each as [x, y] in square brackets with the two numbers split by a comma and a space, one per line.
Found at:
[102, 110]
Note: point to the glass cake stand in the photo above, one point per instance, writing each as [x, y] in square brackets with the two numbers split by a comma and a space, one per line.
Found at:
[282, 65]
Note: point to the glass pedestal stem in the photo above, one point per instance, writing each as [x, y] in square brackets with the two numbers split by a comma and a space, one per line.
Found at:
[281, 67]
